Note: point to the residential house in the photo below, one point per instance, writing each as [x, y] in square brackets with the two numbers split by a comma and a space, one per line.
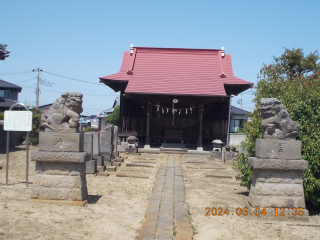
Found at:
[8, 95]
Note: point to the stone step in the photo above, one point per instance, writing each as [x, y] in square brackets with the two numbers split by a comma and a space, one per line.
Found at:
[101, 168]
[108, 163]
[140, 165]
[103, 174]
[119, 159]
[196, 162]
[219, 176]
[116, 164]
[139, 161]
[111, 168]
[131, 175]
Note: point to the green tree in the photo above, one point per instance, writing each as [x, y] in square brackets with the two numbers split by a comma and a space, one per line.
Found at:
[36, 126]
[114, 117]
[294, 79]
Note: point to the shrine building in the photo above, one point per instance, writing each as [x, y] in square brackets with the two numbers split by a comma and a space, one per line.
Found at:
[175, 96]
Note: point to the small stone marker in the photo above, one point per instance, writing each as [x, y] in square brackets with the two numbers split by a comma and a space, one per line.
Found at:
[100, 160]
[91, 167]
[88, 143]
[106, 142]
[96, 143]
[111, 169]
[101, 168]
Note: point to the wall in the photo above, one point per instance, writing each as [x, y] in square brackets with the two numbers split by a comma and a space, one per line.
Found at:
[236, 138]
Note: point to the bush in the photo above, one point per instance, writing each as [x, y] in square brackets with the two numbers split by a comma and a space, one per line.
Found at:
[1, 116]
[293, 79]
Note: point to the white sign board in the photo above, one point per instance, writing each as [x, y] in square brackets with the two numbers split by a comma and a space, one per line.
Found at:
[17, 121]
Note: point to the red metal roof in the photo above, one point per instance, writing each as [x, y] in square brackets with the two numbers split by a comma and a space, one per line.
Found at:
[176, 71]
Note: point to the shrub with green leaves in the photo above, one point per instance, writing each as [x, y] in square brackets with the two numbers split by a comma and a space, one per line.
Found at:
[294, 79]
[114, 118]
[1, 116]
[36, 126]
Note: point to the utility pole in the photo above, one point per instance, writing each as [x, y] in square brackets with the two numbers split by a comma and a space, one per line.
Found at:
[37, 90]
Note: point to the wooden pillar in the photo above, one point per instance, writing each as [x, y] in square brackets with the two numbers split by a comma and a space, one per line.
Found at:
[149, 109]
[200, 148]
[228, 130]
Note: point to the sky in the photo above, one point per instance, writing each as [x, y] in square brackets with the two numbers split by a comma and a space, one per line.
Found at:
[85, 39]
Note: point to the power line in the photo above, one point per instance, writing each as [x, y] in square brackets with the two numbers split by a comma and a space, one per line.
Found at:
[85, 94]
[73, 78]
[15, 73]
[26, 80]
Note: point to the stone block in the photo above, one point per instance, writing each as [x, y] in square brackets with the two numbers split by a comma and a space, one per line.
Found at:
[115, 153]
[88, 143]
[228, 156]
[101, 168]
[216, 154]
[278, 164]
[118, 164]
[111, 169]
[61, 142]
[278, 149]
[100, 160]
[119, 159]
[60, 181]
[67, 194]
[276, 201]
[62, 157]
[277, 176]
[108, 163]
[91, 167]
[277, 189]
[52, 168]
[96, 143]
[131, 150]
[106, 143]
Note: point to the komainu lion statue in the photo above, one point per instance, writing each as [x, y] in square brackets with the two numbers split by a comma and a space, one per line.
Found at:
[64, 114]
[277, 123]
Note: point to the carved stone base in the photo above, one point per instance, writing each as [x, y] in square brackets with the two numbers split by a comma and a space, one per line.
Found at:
[277, 183]
[60, 176]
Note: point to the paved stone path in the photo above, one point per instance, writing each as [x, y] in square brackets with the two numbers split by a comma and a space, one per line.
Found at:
[167, 215]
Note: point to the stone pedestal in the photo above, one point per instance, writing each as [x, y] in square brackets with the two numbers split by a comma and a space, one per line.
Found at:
[60, 168]
[277, 182]
[131, 150]
[60, 176]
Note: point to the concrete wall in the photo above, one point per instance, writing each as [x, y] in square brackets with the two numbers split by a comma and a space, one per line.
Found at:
[15, 138]
[236, 138]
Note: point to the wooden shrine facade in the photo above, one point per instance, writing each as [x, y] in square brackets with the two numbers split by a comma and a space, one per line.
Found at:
[195, 120]
[175, 95]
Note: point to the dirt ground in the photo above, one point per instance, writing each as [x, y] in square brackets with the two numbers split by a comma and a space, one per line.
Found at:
[116, 205]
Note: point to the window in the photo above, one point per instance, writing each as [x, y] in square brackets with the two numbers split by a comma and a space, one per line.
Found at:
[235, 125]
[5, 93]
